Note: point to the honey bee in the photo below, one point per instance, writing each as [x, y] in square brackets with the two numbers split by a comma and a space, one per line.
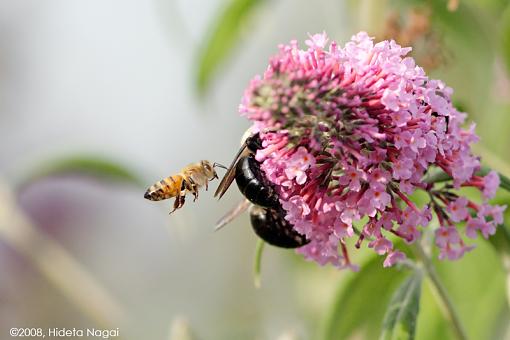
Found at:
[189, 179]
[266, 213]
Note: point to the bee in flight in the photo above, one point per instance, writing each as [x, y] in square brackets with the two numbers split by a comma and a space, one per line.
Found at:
[266, 213]
[189, 179]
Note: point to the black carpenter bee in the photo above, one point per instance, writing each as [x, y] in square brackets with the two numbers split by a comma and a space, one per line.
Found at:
[266, 214]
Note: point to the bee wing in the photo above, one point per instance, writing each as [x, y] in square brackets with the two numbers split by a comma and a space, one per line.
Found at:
[227, 180]
[232, 214]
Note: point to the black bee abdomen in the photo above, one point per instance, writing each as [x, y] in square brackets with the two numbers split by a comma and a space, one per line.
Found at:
[253, 184]
[271, 226]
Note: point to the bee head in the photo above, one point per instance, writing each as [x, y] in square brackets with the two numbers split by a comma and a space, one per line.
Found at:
[208, 169]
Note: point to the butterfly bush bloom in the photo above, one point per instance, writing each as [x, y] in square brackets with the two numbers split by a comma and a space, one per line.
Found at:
[349, 134]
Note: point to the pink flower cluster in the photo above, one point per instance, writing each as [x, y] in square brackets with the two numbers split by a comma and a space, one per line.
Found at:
[349, 134]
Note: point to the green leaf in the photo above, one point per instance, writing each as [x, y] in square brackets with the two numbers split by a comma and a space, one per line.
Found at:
[501, 242]
[505, 182]
[400, 319]
[439, 175]
[505, 36]
[257, 262]
[224, 35]
[92, 166]
[359, 304]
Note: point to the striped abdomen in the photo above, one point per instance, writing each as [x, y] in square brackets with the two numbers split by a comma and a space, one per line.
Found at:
[166, 188]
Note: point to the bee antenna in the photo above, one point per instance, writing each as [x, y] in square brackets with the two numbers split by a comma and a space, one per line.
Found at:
[219, 165]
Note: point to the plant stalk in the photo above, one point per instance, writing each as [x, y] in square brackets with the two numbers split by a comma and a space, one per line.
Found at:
[257, 263]
[442, 294]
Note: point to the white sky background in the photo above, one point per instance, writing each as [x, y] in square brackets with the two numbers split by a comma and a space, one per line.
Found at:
[115, 78]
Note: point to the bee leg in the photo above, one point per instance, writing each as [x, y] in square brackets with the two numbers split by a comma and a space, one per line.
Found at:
[193, 188]
[194, 191]
[180, 198]
[179, 201]
[176, 204]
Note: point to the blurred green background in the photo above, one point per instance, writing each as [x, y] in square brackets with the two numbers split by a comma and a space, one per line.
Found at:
[99, 99]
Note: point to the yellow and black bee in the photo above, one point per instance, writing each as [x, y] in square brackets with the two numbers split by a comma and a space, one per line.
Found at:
[189, 179]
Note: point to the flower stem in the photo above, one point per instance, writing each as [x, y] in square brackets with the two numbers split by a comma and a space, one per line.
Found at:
[442, 295]
[257, 262]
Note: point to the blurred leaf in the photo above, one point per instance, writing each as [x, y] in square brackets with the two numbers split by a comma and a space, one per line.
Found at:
[438, 175]
[361, 302]
[258, 262]
[470, 39]
[492, 124]
[224, 35]
[478, 275]
[505, 36]
[400, 319]
[505, 182]
[467, 39]
[501, 242]
[491, 5]
[91, 166]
